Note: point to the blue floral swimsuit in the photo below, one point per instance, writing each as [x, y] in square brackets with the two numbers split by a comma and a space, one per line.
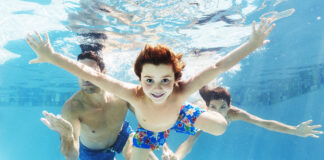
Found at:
[185, 124]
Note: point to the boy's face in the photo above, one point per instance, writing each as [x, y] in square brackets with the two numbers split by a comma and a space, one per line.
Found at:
[87, 86]
[157, 81]
[219, 106]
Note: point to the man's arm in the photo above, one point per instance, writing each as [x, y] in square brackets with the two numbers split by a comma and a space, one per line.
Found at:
[256, 40]
[302, 130]
[46, 53]
[70, 142]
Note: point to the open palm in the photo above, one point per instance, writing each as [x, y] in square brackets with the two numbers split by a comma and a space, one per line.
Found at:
[42, 48]
[57, 123]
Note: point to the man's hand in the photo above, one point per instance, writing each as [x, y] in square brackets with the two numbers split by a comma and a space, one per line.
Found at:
[41, 47]
[305, 130]
[259, 35]
[57, 123]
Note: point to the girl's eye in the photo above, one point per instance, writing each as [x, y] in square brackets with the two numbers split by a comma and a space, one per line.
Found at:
[165, 80]
[149, 80]
[223, 107]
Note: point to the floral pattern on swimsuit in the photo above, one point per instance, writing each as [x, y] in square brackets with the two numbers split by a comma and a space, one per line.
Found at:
[149, 140]
[185, 124]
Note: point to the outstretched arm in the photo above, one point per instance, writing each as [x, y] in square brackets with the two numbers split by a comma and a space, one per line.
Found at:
[46, 53]
[184, 149]
[256, 40]
[303, 130]
[69, 134]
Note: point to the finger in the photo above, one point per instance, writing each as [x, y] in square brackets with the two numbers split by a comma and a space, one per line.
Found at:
[50, 116]
[261, 25]
[51, 120]
[164, 150]
[307, 122]
[270, 29]
[44, 112]
[313, 135]
[47, 38]
[266, 42]
[266, 25]
[30, 43]
[317, 132]
[34, 61]
[253, 27]
[32, 38]
[39, 36]
[316, 126]
[46, 122]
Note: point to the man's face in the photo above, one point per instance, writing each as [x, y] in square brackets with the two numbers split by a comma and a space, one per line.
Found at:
[157, 81]
[219, 106]
[87, 86]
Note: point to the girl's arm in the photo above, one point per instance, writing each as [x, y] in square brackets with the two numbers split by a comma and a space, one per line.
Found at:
[46, 53]
[256, 40]
[302, 130]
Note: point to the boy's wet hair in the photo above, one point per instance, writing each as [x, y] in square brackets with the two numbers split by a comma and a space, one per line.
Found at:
[159, 55]
[215, 94]
[93, 56]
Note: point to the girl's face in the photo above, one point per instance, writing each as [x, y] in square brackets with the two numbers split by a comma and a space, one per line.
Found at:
[157, 81]
[219, 106]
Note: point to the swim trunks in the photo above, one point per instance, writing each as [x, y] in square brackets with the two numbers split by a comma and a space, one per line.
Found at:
[108, 153]
[146, 139]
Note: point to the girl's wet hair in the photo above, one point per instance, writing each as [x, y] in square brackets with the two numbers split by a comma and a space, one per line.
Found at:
[159, 55]
[93, 56]
[215, 94]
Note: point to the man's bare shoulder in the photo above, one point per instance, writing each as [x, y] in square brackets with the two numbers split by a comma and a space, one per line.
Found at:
[122, 104]
[118, 101]
[73, 105]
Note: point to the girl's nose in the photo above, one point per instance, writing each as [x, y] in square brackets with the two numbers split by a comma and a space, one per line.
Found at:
[157, 86]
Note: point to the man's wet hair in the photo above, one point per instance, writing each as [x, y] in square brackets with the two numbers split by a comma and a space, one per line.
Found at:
[215, 94]
[93, 56]
[93, 46]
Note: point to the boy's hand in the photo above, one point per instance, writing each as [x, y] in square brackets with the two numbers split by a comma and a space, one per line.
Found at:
[305, 130]
[57, 123]
[41, 47]
[259, 35]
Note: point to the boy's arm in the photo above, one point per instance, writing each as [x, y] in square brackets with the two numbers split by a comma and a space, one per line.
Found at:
[256, 40]
[183, 150]
[302, 130]
[46, 53]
